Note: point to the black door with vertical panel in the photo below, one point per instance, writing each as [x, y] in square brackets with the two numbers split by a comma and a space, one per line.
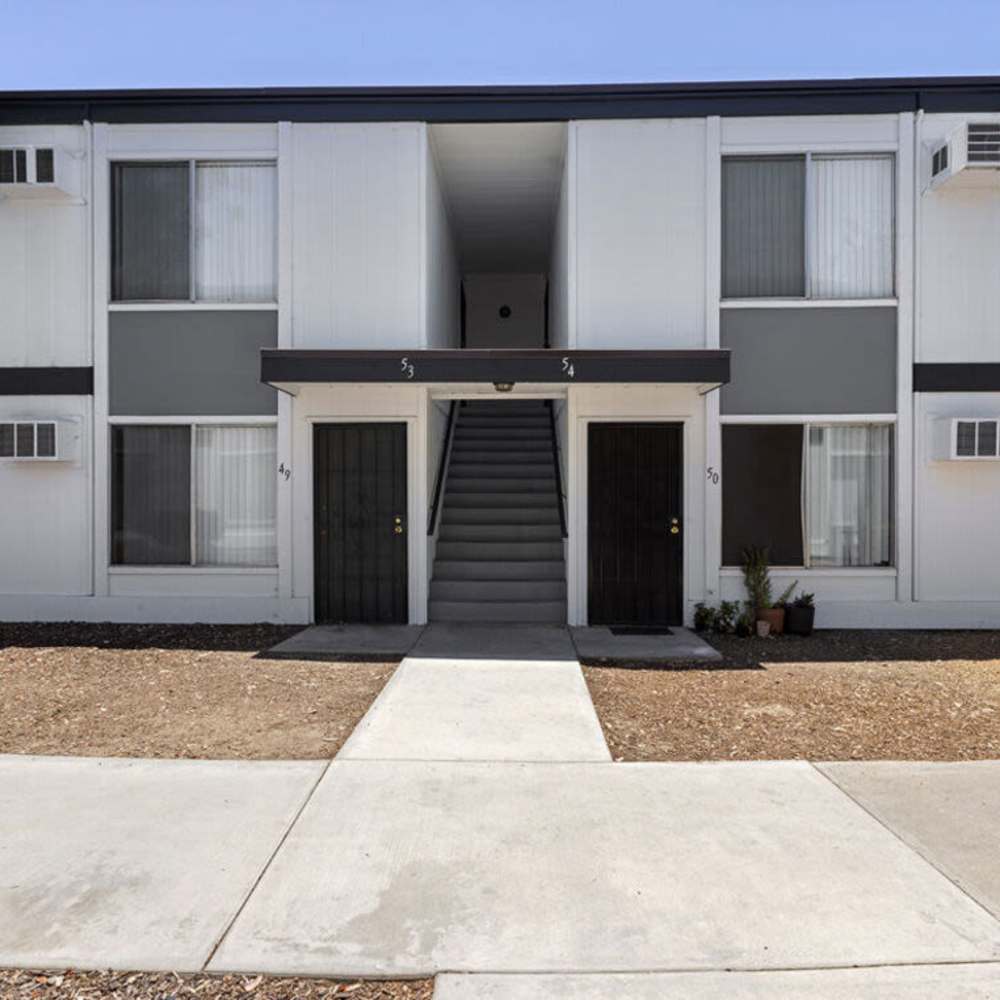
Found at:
[360, 524]
[635, 526]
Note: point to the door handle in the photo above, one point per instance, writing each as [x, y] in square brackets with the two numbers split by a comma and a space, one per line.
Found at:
[674, 526]
[397, 525]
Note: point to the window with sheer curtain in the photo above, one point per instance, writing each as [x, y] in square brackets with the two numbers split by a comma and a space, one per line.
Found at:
[825, 497]
[194, 231]
[215, 507]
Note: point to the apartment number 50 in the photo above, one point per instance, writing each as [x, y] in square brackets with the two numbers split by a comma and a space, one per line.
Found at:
[712, 476]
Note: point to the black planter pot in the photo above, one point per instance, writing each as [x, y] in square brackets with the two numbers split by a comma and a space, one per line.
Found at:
[799, 621]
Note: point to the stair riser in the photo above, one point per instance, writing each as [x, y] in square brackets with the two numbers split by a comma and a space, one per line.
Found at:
[494, 551]
[497, 484]
[494, 591]
[499, 533]
[521, 611]
[500, 515]
[496, 499]
[502, 434]
[507, 470]
[449, 569]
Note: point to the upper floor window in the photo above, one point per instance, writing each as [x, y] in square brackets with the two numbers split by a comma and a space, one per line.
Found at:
[811, 226]
[197, 232]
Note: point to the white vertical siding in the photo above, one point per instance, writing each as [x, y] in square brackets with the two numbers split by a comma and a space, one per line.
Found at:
[562, 257]
[442, 274]
[640, 233]
[357, 235]
[851, 227]
[44, 271]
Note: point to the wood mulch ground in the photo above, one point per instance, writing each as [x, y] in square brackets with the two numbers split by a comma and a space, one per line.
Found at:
[837, 695]
[18, 985]
[195, 691]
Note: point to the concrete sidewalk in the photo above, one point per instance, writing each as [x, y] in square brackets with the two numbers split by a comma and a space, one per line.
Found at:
[409, 867]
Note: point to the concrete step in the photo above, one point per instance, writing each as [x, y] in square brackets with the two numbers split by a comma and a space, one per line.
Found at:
[502, 446]
[480, 484]
[541, 422]
[500, 515]
[495, 551]
[511, 406]
[481, 569]
[502, 470]
[502, 433]
[497, 590]
[536, 459]
[494, 498]
[499, 532]
[551, 612]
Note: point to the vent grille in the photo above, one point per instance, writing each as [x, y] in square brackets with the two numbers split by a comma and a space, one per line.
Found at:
[977, 438]
[939, 161]
[28, 439]
[984, 143]
[27, 166]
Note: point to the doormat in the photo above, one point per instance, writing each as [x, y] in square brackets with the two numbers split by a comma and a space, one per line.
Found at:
[640, 630]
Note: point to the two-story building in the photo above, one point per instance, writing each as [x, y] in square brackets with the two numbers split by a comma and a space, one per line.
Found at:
[510, 354]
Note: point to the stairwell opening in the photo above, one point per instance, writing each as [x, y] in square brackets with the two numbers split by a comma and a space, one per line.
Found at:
[499, 540]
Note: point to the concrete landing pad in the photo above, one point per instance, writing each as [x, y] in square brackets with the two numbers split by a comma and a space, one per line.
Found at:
[515, 710]
[400, 868]
[597, 645]
[941, 982]
[465, 641]
[348, 642]
[949, 813]
[134, 864]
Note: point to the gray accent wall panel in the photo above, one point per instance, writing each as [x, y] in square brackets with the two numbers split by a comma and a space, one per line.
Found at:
[190, 363]
[763, 226]
[835, 360]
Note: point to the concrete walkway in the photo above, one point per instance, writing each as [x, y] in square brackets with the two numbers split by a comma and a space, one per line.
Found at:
[474, 825]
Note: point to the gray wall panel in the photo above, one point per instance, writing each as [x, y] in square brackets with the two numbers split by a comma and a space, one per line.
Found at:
[810, 360]
[190, 363]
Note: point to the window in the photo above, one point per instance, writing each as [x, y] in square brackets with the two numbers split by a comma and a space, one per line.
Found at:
[815, 495]
[807, 226]
[198, 232]
[193, 495]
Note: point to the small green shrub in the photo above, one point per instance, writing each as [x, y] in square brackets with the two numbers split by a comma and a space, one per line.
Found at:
[704, 617]
[757, 576]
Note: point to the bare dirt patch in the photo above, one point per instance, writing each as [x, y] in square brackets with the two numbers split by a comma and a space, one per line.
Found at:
[17, 985]
[838, 695]
[174, 691]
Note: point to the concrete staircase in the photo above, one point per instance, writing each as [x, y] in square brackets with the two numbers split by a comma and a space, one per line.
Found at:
[500, 549]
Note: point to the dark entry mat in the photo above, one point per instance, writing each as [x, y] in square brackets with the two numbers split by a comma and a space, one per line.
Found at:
[639, 630]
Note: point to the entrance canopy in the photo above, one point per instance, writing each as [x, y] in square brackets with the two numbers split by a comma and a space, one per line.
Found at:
[289, 369]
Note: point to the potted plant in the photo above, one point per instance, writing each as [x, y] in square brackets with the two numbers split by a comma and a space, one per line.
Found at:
[704, 617]
[757, 580]
[745, 622]
[800, 614]
[725, 617]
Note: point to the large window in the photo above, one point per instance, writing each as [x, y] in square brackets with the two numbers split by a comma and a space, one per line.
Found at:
[815, 495]
[807, 226]
[198, 232]
[193, 495]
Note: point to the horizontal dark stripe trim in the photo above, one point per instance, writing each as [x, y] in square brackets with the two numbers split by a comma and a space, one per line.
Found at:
[533, 103]
[970, 377]
[46, 381]
[537, 366]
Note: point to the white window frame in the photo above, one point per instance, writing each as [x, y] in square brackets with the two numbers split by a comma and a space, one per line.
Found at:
[785, 301]
[193, 423]
[192, 302]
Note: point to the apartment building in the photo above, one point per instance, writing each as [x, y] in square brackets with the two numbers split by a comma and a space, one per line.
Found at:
[509, 354]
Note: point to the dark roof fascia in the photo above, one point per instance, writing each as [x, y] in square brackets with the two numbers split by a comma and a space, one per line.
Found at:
[49, 381]
[282, 367]
[504, 103]
[956, 377]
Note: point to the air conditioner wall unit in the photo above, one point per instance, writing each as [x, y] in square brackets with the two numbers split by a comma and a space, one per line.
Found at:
[43, 440]
[966, 439]
[35, 172]
[968, 157]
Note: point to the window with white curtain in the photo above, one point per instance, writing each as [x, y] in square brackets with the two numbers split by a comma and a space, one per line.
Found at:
[817, 495]
[848, 495]
[201, 495]
[194, 231]
[235, 224]
[808, 226]
[235, 501]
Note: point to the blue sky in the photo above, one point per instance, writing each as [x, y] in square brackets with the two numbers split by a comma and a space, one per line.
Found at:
[111, 43]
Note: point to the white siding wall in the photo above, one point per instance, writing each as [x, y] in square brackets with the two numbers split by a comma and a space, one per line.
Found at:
[442, 275]
[562, 259]
[959, 269]
[44, 269]
[357, 235]
[640, 234]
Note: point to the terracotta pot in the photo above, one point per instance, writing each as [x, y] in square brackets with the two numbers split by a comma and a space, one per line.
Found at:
[775, 617]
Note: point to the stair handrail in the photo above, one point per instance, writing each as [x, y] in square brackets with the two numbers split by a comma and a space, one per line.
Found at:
[558, 464]
[442, 466]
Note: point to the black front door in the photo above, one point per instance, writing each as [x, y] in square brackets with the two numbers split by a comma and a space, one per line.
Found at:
[360, 527]
[635, 528]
